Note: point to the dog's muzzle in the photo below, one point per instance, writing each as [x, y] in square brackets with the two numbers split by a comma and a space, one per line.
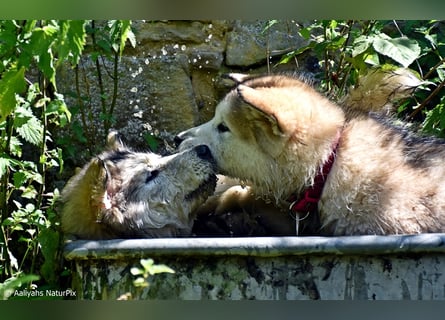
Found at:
[203, 152]
[179, 138]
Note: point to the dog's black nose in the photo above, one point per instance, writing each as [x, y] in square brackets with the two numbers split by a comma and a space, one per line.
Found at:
[177, 139]
[203, 152]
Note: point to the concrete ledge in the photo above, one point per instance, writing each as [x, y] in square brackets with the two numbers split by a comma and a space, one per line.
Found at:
[287, 268]
[259, 246]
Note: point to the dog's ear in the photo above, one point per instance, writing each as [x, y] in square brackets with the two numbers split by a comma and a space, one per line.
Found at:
[92, 186]
[236, 77]
[104, 184]
[265, 126]
[256, 99]
[114, 141]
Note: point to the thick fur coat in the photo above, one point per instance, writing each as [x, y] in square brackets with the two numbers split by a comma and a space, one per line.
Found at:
[276, 132]
[126, 194]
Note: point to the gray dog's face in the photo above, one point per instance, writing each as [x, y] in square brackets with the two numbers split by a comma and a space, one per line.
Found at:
[122, 193]
[157, 194]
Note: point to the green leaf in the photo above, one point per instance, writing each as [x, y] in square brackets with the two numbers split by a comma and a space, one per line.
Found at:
[49, 243]
[120, 32]
[28, 126]
[290, 55]
[61, 163]
[402, 50]
[19, 179]
[269, 24]
[40, 46]
[29, 192]
[7, 162]
[371, 58]
[336, 43]
[434, 121]
[71, 41]
[160, 268]
[8, 287]
[31, 131]
[46, 65]
[140, 282]
[151, 268]
[4, 164]
[22, 115]
[131, 37]
[360, 45]
[147, 263]
[305, 33]
[15, 147]
[136, 271]
[12, 82]
[152, 141]
[104, 45]
[441, 73]
[432, 38]
[60, 110]
[8, 37]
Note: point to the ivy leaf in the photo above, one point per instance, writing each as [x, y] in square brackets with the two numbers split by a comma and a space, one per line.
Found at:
[12, 82]
[402, 50]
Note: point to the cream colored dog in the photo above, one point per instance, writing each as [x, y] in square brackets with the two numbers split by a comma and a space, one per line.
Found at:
[277, 134]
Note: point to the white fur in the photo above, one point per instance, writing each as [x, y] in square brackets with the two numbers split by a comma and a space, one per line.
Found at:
[276, 132]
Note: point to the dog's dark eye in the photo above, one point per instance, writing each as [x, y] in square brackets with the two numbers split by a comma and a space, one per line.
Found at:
[151, 175]
[222, 127]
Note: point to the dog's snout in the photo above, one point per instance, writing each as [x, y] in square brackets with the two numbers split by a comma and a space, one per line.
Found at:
[203, 152]
[178, 139]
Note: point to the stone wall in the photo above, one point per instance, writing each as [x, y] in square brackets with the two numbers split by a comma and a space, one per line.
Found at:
[172, 81]
[397, 267]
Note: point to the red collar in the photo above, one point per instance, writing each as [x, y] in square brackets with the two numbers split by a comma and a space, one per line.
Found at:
[308, 203]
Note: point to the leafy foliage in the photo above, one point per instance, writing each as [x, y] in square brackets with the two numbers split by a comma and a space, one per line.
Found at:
[8, 287]
[346, 50]
[29, 106]
[12, 81]
[31, 109]
[149, 268]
